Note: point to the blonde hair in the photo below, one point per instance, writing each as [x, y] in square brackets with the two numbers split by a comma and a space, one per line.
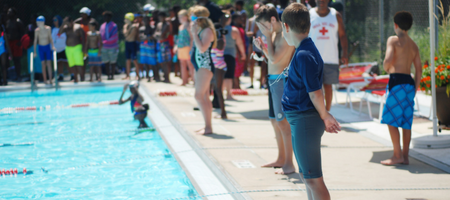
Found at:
[203, 21]
[183, 13]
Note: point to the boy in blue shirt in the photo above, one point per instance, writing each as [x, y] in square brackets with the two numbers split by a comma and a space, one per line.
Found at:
[303, 100]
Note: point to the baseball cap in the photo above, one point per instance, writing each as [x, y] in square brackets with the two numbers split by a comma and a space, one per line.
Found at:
[148, 7]
[40, 19]
[86, 11]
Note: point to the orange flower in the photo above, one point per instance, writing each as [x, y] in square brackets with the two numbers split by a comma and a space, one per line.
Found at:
[423, 88]
[436, 58]
[435, 86]
[448, 76]
[442, 77]
[428, 85]
[425, 66]
[436, 70]
[448, 66]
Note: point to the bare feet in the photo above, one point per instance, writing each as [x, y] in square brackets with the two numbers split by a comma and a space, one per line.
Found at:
[204, 131]
[230, 99]
[405, 160]
[91, 81]
[285, 170]
[277, 164]
[393, 161]
[220, 117]
[126, 78]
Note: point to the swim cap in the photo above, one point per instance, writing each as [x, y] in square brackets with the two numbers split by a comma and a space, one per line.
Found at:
[40, 19]
[134, 84]
[129, 16]
[86, 11]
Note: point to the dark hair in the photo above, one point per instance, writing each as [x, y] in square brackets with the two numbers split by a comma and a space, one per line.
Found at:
[296, 16]
[146, 106]
[235, 16]
[68, 18]
[240, 2]
[284, 3]
[93, 23]
[403, 19]
[266, 13]
[176, 9]
[107, 13]
[162, 14]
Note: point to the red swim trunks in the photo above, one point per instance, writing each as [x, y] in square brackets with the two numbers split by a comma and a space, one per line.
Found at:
[16, 50]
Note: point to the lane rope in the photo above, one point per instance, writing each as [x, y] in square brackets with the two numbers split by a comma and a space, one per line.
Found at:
[58, 107]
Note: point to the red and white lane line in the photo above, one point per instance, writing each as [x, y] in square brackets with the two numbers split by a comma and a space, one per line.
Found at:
[48, 107]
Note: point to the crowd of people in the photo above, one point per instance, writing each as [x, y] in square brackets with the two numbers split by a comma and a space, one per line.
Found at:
[295, 44]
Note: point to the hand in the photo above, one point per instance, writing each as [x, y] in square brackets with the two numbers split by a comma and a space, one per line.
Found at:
[259, 43]
[266, 31]
[344, 60]
[243, 57]
[194, 28]
[53, 49]
[331, 125]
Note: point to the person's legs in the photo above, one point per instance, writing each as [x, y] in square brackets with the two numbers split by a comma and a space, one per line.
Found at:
[166, 70]
[91, 73]
[128, 66]
[219, 74]
[285, 130]
[202, 86]
[406, 142]
[328, 88]
[281, 158]
[229, 75]
[4, 66]
[308, 191]
[191, 70]
[113, 70]
[251, 70]
[184, 72]
[397, 158]
[44, 70]
[99, 73]
[17, 67]
[264, 72]
[317, 188]
[49, 70]
[138, 76]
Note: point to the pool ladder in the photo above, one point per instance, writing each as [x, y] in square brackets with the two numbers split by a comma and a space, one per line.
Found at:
[55, 64]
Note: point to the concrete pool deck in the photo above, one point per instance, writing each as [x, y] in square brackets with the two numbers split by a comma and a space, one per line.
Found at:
[351, 158]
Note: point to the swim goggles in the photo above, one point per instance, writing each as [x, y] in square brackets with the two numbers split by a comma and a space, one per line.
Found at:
[193, 18]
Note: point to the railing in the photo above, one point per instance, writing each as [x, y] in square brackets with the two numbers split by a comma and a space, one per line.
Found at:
[55, 64]
[32, 71]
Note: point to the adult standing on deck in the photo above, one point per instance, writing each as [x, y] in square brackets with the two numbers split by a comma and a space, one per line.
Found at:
[327, 27]
[15, 30]
[84, 20]
[60, 45]
[110, 38]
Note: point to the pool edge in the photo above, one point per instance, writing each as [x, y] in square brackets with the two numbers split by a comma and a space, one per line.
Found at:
[210, 163]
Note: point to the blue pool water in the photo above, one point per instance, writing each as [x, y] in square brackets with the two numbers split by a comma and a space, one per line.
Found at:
[89, 153]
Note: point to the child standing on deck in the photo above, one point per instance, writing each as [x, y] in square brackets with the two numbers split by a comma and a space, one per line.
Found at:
[93, 49]
[131, 32]
[183, 47]
[303, 100]
[164, 54]
[43, 37]
[401, 53]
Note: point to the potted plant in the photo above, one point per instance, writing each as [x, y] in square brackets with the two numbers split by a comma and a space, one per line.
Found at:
[442, 73]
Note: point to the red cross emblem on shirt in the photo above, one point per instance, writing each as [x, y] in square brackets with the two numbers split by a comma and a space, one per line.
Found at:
[323, 31]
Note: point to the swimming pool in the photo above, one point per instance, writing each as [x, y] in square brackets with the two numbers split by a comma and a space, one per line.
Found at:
[83, 153]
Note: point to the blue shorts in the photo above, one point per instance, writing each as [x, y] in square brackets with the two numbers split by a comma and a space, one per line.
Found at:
[164, 52]
[276, 90]
[399, 108]
[45, 52]
[130, 50]
[307, 129]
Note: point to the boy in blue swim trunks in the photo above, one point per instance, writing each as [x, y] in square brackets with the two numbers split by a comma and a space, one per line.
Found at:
[137, 107]
[401, 52]
[43, 37]
[303, 100]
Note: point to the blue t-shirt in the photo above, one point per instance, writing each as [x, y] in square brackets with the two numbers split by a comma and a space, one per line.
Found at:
[305, 76]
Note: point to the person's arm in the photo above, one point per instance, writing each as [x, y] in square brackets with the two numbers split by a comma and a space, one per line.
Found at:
[85, 46]
[274, 56]
[310, 76]
[207, 37]
[389, 57]
[417, 65]
[82, 38]
[239, 43]
[100, 43]
[121, 101]
[343, 39]
[51, 38]
[165, 32]
[125, 30]
[36, 33]
[62, 28]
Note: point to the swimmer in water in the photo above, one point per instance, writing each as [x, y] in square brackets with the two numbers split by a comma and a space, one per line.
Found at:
[137, 107]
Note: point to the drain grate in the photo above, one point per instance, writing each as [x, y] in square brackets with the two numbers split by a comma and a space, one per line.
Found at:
[243, 164]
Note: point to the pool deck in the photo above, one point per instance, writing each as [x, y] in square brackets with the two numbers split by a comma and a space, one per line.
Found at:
[350, 159]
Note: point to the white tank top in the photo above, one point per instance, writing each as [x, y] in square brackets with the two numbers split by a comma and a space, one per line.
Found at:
[324, 33]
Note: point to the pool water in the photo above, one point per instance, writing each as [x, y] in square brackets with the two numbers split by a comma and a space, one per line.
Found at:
[84, 153]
